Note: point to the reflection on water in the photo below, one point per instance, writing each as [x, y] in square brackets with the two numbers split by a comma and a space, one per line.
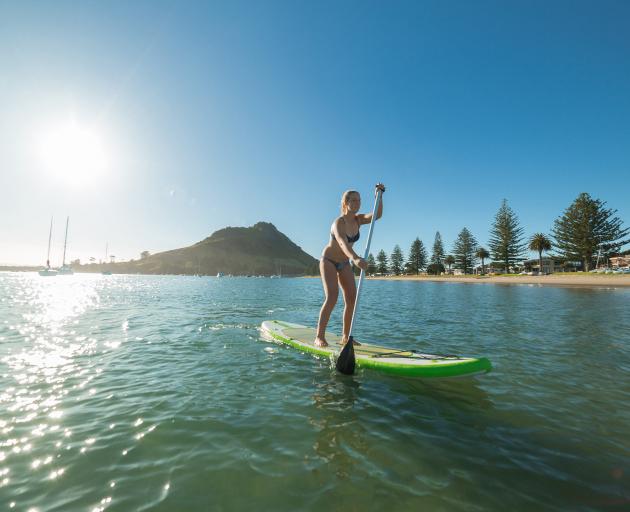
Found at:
[54, 356]
[337, 424]
[42, 361]
[156, 393]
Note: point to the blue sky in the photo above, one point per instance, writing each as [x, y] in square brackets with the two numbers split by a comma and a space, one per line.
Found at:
[216, 114]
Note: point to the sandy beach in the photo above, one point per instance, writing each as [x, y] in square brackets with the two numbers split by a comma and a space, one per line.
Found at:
[568, 279]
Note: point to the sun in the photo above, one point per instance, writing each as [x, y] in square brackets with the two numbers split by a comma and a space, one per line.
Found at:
[73, 154]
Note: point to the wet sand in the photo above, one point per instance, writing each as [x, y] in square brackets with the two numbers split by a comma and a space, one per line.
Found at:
[572, 279]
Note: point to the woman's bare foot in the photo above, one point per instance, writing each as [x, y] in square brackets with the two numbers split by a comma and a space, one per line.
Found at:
[320, 342]
[344, 340]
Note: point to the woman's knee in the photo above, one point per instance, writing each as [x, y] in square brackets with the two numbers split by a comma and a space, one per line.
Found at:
[330, 300]
[350, 299]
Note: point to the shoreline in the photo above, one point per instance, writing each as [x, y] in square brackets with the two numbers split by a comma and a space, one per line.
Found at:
[572, 280]
[578, 280]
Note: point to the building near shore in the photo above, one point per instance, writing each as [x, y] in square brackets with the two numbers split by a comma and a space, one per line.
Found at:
[549, 266]
[619, 261]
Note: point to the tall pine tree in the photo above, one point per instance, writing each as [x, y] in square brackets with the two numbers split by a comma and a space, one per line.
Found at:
[464, 251]
[381, 262]
[437, 257]
[371, 269]
[506, 237]
[397, 260]
[417, 260]
[585, 227]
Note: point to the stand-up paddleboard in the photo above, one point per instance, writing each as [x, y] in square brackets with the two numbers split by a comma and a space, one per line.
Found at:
[404, 363]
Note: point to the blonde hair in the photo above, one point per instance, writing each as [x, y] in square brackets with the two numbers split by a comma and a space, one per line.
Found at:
[345, 197]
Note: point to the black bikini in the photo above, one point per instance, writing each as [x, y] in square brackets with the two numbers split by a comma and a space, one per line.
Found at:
[340, 265]
[351, 239]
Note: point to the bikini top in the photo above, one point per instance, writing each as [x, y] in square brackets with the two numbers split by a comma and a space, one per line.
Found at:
[351, 239]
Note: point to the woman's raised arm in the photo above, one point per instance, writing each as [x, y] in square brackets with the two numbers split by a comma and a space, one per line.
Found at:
[366, 218]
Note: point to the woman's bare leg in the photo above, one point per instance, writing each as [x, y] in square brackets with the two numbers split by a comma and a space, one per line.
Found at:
[349, 289]
[331, 290]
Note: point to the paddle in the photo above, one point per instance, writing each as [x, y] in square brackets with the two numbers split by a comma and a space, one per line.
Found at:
[346, 360]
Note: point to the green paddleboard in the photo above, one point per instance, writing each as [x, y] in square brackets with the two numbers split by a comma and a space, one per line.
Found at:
[387, 360]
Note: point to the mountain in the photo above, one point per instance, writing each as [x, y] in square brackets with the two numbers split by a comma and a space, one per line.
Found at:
[257, 250]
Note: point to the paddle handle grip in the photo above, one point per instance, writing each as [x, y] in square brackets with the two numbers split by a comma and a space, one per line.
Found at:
[377, 201]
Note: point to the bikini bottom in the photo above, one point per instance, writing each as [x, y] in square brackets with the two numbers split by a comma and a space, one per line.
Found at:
[338, 265]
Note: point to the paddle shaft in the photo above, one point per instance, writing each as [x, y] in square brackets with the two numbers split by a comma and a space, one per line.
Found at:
[377, 201]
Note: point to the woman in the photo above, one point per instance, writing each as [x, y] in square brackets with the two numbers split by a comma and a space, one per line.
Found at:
[335, 267]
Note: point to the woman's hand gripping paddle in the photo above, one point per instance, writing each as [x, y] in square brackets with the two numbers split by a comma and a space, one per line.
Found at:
[346, 360]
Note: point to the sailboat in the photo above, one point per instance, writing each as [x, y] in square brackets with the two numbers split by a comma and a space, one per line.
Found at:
[48, 271]
[65, 270]
[277, 276]
[106, 272]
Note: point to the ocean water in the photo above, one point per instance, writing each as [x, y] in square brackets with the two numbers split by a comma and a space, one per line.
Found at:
[126, 393]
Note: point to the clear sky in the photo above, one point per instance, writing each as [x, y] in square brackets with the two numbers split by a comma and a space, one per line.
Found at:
[153, 124]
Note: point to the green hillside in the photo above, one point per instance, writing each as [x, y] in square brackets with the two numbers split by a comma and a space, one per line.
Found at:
[258, 250]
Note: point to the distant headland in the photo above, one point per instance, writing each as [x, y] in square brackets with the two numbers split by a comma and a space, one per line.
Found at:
[256, 250]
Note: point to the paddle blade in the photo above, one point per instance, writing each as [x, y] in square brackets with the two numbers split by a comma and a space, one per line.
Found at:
[345, 361]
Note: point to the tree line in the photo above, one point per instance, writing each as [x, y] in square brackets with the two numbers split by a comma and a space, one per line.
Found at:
[585, 230]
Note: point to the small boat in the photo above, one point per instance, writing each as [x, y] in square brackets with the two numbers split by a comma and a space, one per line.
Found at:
[65, 270]
[106, 272]
[48, 271]
[220, 274]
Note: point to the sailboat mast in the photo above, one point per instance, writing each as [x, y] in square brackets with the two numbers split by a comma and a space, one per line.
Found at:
[65, 243]
[49, 239]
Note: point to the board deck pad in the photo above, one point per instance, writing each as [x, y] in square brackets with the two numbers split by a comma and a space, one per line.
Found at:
[307, 335]
[407, 363]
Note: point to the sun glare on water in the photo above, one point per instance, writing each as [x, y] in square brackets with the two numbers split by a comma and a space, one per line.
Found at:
[73, 154]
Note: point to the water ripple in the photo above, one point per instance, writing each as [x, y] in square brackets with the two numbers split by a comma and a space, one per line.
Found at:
[156, 393]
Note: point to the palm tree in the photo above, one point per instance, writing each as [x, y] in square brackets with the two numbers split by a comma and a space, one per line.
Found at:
[539, 242]
[449, 260]
[482, 254]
